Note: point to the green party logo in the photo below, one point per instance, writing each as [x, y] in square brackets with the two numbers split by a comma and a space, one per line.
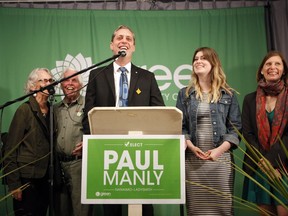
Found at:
[79, 62]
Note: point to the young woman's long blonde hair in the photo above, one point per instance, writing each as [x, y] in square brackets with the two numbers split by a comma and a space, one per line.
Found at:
[218, 77]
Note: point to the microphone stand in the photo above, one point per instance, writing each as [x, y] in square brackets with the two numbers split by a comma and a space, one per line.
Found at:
[51, 165]
[51, 91]
[121, 53]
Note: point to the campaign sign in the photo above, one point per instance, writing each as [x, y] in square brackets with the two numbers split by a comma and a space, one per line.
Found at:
[133, 169]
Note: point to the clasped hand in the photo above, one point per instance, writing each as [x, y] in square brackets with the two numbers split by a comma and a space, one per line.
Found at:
[212, 154]
[268, 169]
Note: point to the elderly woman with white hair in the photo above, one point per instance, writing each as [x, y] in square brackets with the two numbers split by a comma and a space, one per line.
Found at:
[28, 148]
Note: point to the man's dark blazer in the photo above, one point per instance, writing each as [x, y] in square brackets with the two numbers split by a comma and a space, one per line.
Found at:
[143, 90]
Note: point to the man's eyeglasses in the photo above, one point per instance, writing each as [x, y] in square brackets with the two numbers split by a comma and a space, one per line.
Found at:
[47, 80]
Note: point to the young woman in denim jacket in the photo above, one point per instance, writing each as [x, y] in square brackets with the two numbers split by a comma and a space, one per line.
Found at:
[211, 118]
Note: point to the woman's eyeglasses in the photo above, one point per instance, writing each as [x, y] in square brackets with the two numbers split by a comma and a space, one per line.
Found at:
[46, 80]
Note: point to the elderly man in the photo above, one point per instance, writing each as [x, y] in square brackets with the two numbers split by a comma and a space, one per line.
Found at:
[69, 113]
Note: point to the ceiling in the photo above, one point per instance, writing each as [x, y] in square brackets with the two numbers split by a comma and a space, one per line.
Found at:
[134, 4]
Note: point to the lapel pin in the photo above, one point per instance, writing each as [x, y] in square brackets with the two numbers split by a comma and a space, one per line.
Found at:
[138, 91]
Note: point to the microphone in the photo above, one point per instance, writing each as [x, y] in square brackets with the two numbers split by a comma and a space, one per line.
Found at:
[122, 53]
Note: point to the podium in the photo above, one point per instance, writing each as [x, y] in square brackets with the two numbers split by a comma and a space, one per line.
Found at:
[152, 124]
[141, 120]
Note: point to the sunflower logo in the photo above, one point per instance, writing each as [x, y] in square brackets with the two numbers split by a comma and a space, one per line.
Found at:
[79, 62]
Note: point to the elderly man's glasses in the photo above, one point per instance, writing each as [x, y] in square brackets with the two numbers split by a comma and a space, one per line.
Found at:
[46, 80]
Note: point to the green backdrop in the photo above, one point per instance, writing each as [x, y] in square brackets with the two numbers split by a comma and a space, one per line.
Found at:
[165, 42]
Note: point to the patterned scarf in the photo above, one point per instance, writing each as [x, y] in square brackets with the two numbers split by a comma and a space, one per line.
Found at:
[267, 135]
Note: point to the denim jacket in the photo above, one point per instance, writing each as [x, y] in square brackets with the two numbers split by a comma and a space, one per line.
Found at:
[225, 115]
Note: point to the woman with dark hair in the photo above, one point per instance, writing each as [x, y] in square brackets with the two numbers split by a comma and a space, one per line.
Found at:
[211, 118]
[28, 148]
[264, 118]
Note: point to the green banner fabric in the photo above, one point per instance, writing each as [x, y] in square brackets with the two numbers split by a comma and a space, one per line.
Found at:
[165, 42]
[133, 170]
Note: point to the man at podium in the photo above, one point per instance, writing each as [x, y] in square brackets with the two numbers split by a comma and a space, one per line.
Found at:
[121, 83]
